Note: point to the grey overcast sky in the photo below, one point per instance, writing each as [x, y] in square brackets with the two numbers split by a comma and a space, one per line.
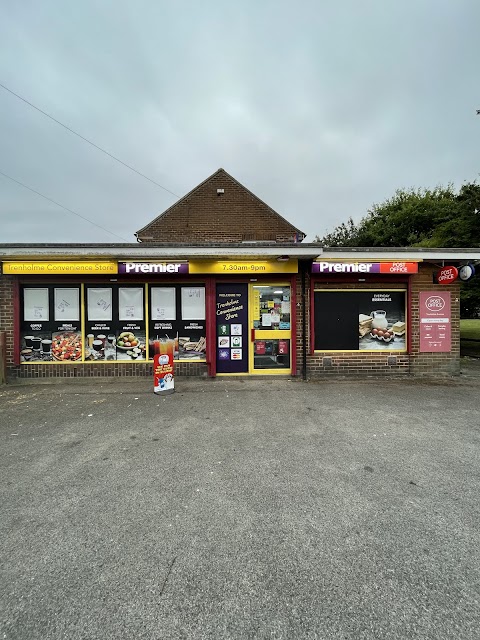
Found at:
[320, 108]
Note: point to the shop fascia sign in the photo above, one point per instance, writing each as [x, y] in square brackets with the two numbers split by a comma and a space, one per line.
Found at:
[152, 268]
[230, 267]
[59, 268]
[392, 268]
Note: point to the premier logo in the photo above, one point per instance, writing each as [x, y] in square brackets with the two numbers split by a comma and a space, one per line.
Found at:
[152, 267]
[344, 267]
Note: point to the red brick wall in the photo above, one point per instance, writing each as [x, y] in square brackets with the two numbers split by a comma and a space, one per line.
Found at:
[204, 216]
[424, 364]
[7, 312]
[113, 370]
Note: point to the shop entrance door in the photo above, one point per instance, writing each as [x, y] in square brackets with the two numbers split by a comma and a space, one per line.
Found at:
[270, 349]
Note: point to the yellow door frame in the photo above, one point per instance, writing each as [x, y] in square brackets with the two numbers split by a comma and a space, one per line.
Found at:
[266, 334]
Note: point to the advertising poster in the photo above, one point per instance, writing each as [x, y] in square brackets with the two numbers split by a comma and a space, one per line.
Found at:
[114, 324]
[231, 306]
[50, 325]
[435, 321]
[178, 313]
[368, 320]
[163, 372]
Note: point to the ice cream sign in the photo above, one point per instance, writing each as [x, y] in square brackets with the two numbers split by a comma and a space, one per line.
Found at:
[393, 268]
[136, 268]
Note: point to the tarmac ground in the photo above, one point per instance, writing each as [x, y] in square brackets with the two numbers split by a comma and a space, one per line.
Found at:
[241, 509]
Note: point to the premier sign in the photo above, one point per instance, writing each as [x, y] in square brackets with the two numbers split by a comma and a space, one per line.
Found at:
[393, 268]
[142, 268]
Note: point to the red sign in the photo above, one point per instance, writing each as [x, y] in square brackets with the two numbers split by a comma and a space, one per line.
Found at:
[163, 378]
[435, 321]
[283, 346]
[398, 267]
[447, 275]
[260, 347]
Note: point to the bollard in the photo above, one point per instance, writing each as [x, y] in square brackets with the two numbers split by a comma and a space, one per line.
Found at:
[3, 357]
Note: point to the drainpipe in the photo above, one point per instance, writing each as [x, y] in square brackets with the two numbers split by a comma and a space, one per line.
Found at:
[304, 323]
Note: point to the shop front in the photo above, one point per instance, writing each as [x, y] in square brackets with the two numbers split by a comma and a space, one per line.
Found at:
[260, 315]
[254, 328]
[377, 316]
[218, 317]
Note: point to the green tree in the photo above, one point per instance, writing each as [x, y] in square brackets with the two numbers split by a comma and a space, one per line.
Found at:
[440, 217]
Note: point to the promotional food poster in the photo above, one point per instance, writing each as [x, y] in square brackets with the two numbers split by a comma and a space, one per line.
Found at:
[113, 341]
[114, 324]
[231, 306]
[50, 324]
[435, 321]
[368, 320]
[178, 313]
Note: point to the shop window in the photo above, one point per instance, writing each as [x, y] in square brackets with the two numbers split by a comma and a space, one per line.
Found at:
[360, 320]
[50, 328]
[178, 314]
[108, 323]
[115, 327]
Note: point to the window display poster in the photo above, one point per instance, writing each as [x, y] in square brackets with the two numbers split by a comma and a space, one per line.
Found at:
[167, 321]
[162, 303]
[66, 304]
[232, 323]
[193, 303]
[361, 320]
[99, 304]
[435, 321]
[130, 304]
[36, 304]
[43, 339]
[114, 337]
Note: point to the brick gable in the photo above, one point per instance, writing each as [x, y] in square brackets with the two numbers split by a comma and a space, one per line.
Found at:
[205, 215]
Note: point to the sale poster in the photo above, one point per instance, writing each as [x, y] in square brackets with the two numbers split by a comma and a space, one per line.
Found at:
[435, 321]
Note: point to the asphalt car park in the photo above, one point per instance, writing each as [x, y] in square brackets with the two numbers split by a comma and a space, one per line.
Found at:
[241, 509]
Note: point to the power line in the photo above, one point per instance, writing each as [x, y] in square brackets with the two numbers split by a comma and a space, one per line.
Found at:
[61, 205]
[30, 104]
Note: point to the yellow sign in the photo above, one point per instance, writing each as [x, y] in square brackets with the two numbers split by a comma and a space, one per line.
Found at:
[58, 268]
[232, 267]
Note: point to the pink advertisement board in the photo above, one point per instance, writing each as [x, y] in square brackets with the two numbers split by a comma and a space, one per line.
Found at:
[435, 321]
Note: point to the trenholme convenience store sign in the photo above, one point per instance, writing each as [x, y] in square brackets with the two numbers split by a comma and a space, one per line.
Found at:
[394, 268]
[230, 267]
[59, 268]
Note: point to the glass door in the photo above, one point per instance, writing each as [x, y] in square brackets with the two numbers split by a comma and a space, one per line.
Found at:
[270, 329]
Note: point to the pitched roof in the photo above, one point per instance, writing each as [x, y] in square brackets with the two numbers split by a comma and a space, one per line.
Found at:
[220, 172]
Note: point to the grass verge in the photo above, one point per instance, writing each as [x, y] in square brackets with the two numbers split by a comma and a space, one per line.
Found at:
[470, 330]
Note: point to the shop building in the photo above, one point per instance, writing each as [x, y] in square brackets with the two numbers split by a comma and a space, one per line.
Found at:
[236, 289]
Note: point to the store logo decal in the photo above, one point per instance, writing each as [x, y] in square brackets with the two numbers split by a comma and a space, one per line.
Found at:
[152, 267]
[435, 303]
